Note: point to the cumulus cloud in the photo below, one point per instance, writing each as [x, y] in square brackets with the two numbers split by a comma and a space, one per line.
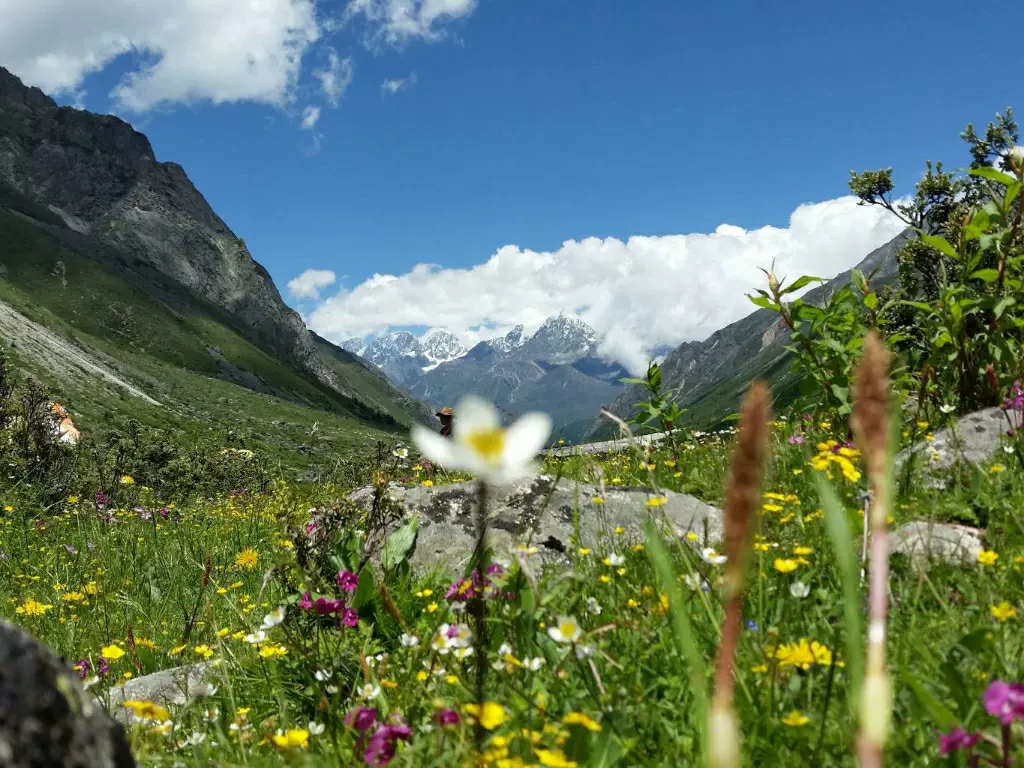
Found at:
[641, 294]
[309, 284]
[310, 115]
[391, 87]
[398, 21]
[335, 77]
[183, 51]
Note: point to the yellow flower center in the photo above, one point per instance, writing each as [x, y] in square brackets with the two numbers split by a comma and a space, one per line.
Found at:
[489, 443]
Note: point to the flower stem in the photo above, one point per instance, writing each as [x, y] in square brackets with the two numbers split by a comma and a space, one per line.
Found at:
[479, 610]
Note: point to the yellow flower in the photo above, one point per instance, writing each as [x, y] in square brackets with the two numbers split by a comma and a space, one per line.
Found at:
[111, 653]
[432, 607]
[795, 719]
[147, 710]
[203, 650]
[631, 603]
[1003, 612]
[638, 547]
[580, 718]
[657, 501]
[759, 669]
[604, 579]
[584, 551]
[761, 546]
[691, 536]
[388, 684]
[72, 597]
[176, 650]
[619, 529]
[127, 480]
[422, 675]
[597, 500]
[995, 469]
[554, 758]
[785, 565]
[771, 507]
[802, 550]
[803, 654]
[295, 738]
[428, 483]
[33, 608]
[247, 559]
[492, 716]
[988, 557]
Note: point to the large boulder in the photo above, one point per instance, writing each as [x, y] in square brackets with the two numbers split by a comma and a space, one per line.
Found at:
[541, 511]
[47, 720]
[926, 543]
[973, 440]
[167, 687]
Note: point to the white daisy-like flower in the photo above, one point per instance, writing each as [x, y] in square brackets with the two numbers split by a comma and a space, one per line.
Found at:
[584, 651]
[504, 649]
[593, 606]
[462, 636]
[323, 675]
[332, 689]
[565, 630]
[202, 691]
[273, 618]
[481, 446]
[799, 590]
[1008, 448]
[211, 715]
[315, 729]
[710, 556]
[533, 664]
[256, 637]
[409, 641]
[401, 453]
[369, 691]
[463, 653]
[947, 408]
[616, 560]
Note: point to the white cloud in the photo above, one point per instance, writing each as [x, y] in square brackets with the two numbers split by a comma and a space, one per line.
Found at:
[399, 21]
[336, 77]
[309, 284]
[310, 115]
[641, 294]
[184, 50]
[391, 87]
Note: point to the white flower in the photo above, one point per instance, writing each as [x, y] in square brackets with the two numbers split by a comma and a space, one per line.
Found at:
[1007, 448]
[463, 653]
[504, 650]
[584, 651]
[593, 606]
[316, 728]
[211, 715]
[194, 740]
[273, 618]
[947, 409]
[799, 590]
[202, 691]
[87, 684]
[332, 689]
[409, 641]
[369, 691]
[462, 636]
[693, 581]
[616, 560]
[533, 664]
[402, 453]
[710, 556]
[440, 641]
[323, 675]
[481, 446]
[256, 637]
[565, 630]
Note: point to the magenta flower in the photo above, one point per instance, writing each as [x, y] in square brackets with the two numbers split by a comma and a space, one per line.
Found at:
[305, 603]
[1005, 701]
[347, 581]
[447, 718]
[324, 607]
[82, 667]
[796, 439]
[495, 570]
[349, 617]
[102, 667]
[361, 718]
[958, 738]
[383, 743]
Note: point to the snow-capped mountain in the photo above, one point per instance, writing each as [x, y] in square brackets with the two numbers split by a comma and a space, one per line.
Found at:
[563, 338]
[442, 346]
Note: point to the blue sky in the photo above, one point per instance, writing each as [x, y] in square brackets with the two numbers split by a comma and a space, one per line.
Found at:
[534, 122]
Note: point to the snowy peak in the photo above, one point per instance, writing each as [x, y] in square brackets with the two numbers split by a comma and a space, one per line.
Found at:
[392, 348]
[355, 345]
[562, 338]
[442, 346]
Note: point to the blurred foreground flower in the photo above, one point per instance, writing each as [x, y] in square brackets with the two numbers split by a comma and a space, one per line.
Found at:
[481, 446]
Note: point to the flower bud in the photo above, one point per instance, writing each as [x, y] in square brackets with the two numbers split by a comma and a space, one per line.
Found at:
[723, 738]
[1015, 159]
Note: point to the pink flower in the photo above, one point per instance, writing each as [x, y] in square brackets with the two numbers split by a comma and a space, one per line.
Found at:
[446, 718]
[958, 738]
[1005, 701]
[796, 439]
[347, 581]
[324, 607]
[361, 718]
[349, 617]
[305, 603]
[383, 742]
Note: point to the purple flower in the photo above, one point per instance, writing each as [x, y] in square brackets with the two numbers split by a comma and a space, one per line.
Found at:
[349, 617]
[796, 439]
[101, 499]
[752, 625]
[325, 607]
[305, 603]
[70, 550]
[163, 512]
[347, 581]
[446, 718]
[361, 718]
[958, 738]
[82, 666]
[495, 570]
[101, 666]
[383, 742]
[1005, 701]
[463, 589]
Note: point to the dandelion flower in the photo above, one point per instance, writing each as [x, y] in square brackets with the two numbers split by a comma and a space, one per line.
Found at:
[247, 559]
[581, 718]
[795, 719]
[554, 758]
[565, 630]
[491, 714]
[1003, 612]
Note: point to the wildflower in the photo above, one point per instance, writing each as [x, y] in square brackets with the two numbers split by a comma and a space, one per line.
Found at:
[409, 641]
[565, 630]
[369, 691]
[127, 480]
[795, 719]
[593, 606]
[533, 664]
[554, 758]
[33, 608]
[273, 618]
[803, 654]
[799, 590]
[111, 652]
[256, 637]
[382, 745]
[294, 738]
[147, 710]
[995, 469]
[614, 560]
[597, 500]
[446, 718]
[584, 551]
[785, 565]
[305, 602]
[203, 650]
[1005, 701]
[82, 667]
[987, 557]
[247, 559]
[580, 718]
[432, 607]
[349, 617]
[799, 550]
[490, 715]
[480, 444]
[796, 439]
[401, 453]
[656, 501]
[584, 651]
[347, 581]
[323, 675]
[1003, 612]
[957, 739]
[710, 556]
[361, 718]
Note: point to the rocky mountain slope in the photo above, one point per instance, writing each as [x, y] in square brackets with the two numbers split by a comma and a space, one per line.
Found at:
[710, 376]
[121, 256]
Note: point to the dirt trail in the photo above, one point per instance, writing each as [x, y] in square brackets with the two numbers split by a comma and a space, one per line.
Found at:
[55, 353]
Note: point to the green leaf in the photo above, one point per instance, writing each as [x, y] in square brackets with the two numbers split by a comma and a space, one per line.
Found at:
[800, 282]
[365, 590]
[988, 275]
[632, 381]
[1007, 301]
[943, 718]
[871, 300]
[764, 302]
[399, 544]
[940, 244]
[993, 175]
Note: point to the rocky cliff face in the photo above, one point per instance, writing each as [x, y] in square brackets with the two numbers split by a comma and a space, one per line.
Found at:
[102, 178]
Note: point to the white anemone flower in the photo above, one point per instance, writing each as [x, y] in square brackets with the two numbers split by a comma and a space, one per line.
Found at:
[947, 409]
[710, 556]
[315, 729]
[533, 664]
[799, 590]
[565, 630]
[256, 637]
[481, 446]
[616, 559]
[273, 618]
[409, 641]
[369, 691]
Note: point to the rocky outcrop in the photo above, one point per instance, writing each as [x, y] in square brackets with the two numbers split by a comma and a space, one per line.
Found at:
[539, 511]
[926, 543]
[168, 687]
[47, 720]
[974, 440]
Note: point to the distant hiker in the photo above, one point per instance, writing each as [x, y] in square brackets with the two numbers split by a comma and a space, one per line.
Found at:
[65, 427]
[445, 415]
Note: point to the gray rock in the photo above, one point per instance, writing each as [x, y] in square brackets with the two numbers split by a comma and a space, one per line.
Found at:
[540, 511]
[167, 687]
[47, 720]
[974, 439]
[605, 446]
[926, 543]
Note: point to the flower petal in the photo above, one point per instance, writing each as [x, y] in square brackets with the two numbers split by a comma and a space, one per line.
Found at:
[525, 438]
[474, 414]
[438, 449]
